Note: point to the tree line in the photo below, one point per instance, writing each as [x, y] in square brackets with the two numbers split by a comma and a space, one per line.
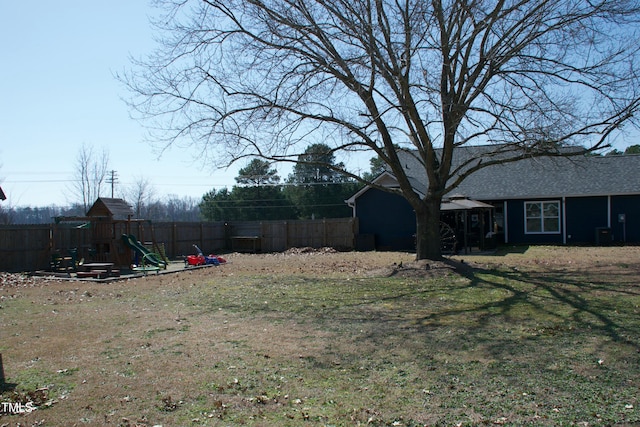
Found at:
[173, 209]
[312, 190]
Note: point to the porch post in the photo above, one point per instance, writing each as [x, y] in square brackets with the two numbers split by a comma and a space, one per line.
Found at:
[564, 220]
[505, 225]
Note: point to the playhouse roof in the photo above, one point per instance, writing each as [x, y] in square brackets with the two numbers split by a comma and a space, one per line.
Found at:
[113, 208]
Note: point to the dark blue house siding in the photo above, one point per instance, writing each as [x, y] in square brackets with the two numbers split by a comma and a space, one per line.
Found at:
[515, 226]
[584, 215]
[630, 206]
[389, 217]
[391, 220]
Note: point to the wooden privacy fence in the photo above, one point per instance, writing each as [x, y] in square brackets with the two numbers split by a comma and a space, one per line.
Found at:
[30, 247]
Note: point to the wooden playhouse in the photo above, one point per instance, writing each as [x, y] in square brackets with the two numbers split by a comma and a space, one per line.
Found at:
[97, 236]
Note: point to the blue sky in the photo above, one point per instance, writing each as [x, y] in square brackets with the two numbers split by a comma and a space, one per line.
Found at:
[58, 92]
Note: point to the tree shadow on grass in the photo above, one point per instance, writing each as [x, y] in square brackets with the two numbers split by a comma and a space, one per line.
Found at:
[563, 297]
[476, 303]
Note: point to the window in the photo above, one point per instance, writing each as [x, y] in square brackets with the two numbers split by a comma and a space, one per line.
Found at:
[542, 217]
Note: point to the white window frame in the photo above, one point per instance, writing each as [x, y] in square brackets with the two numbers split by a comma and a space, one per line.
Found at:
[542, 217]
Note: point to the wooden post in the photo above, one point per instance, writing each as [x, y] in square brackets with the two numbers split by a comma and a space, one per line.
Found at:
[354, 233]
[174, 245]
[4, 386]
[201, 239]
[2, 379]
[286, 235]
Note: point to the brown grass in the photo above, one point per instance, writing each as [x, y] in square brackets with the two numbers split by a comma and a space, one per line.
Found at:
[326, 338]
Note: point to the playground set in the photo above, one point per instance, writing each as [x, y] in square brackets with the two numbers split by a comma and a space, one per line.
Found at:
[101, 244]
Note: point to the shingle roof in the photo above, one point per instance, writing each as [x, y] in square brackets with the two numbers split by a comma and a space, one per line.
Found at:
[116, 208]
[542, 177]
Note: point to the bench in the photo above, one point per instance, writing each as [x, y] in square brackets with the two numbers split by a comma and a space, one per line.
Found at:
[146, 268]
[246, 244]
[95, 274]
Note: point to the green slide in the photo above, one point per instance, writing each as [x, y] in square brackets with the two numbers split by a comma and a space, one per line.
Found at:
[150, 257]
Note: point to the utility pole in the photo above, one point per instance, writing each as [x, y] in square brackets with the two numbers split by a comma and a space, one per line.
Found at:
[112, 180]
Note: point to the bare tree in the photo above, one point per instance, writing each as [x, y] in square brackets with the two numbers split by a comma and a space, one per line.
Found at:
[267, 78]
[141, 195]
[90, 174]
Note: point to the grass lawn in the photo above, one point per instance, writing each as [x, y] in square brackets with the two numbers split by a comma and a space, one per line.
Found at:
[537, 336]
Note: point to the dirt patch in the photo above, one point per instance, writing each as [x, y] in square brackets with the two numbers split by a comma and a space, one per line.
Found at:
[12, 280]
[329, 262]
[421, 269]
[322, 262]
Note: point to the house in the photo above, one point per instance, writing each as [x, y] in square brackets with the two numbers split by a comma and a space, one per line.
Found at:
[2, 196]
[543, 200]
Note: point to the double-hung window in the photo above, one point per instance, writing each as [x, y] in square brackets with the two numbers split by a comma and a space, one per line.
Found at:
[542, 217]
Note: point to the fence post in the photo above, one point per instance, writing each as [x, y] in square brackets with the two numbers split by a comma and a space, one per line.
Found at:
[201, 235]
[286, 235]
[174, 244]
[324, 232]
[354, 232]
[261, 239]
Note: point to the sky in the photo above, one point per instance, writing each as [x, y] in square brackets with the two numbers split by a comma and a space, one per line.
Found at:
[58, 91]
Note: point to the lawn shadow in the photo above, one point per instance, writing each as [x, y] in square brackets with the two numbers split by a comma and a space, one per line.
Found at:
[498, 309]
[556, 295]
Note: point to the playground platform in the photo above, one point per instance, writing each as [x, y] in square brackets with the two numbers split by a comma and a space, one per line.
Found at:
[102, 274]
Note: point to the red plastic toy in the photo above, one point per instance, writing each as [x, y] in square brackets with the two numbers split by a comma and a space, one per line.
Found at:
[200, 259]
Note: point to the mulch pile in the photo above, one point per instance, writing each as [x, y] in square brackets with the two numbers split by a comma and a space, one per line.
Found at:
[16, 280]
[309, 250]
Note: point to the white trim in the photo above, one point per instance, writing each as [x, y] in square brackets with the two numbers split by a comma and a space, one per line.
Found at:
[564, 220]
[385, 179]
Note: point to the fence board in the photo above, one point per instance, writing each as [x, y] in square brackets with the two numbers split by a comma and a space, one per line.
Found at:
[29, 247]
[25, 247]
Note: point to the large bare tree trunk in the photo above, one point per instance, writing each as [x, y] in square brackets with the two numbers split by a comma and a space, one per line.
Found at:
[528, 77]
[428, 231]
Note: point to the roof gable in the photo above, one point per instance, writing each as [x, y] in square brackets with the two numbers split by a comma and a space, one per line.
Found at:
[385, 179]
[114, 208]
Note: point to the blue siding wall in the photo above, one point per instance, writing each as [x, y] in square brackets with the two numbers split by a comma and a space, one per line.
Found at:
[630, 206]
[389, 217]
[584, 215]
[515, 224]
